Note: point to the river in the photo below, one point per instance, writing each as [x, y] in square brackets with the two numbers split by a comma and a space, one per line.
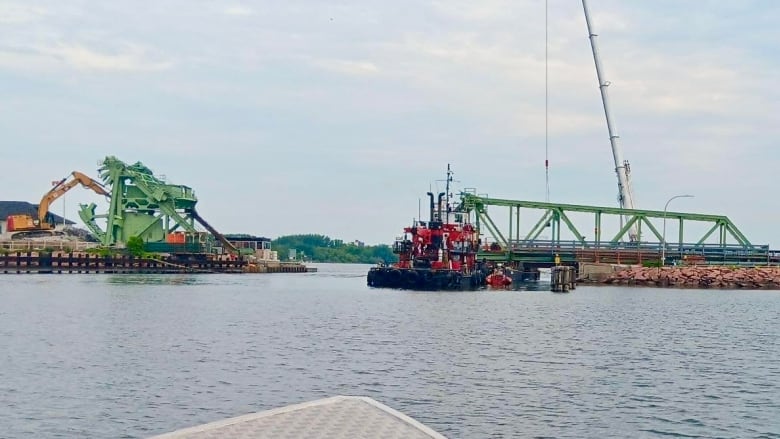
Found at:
[137, 355]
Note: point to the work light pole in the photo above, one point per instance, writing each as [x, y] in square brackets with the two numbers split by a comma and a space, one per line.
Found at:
[663, 235]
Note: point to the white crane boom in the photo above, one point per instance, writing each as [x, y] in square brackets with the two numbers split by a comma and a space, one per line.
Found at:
[622, 168]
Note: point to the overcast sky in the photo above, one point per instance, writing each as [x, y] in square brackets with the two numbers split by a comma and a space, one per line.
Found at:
[335, 117]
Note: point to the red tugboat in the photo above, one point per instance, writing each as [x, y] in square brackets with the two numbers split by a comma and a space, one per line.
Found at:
[439, 255]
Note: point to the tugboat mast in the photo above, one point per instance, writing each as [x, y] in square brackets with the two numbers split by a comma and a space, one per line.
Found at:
[447, 189]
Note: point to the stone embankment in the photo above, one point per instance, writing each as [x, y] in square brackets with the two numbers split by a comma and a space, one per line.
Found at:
[698, 277]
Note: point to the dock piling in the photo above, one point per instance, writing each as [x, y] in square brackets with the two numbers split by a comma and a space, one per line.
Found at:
[562, 279]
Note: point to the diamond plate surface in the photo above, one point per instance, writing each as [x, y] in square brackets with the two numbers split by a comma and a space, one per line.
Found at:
[332, 418]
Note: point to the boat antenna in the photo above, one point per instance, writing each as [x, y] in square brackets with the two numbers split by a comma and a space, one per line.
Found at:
[447, 190]
[546, 110]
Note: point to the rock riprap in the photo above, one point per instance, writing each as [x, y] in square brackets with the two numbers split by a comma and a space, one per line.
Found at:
[698, 277]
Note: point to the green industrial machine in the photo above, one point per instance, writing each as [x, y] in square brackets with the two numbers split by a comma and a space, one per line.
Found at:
[142, 205]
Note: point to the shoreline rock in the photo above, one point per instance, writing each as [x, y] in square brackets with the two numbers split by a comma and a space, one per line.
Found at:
[703, 277]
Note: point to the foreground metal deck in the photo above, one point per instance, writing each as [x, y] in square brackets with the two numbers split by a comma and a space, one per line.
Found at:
[332, 418]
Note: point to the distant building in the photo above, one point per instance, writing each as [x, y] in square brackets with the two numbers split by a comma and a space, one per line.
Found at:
[359, 243]
[8, 208]
[257, 245]
[249, 241]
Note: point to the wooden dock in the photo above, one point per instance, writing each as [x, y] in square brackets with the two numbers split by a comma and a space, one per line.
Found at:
[32, 262]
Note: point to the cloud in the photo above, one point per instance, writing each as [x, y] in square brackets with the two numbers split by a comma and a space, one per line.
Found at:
[20, 14]
[240, 11]
[131, 59]
[25, 60]
[606, 21]
[347, 67]
[382, 83]
[481, 11]
[45, 58]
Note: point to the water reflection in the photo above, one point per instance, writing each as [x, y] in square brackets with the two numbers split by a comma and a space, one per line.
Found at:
[156, 279]
[530, 286]
[137, 355]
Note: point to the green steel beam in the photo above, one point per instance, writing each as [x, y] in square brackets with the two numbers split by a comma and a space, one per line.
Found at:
[88, 216]
[471, 201]
[540, 225]
[114, 218]
[624, 230]
[157, 191]
[709, 232]
[597, 230]
[737, 234]
[637, 217]
[681, 239]
[571, 226]
[653, 229]
[510, 224]
[491, 226]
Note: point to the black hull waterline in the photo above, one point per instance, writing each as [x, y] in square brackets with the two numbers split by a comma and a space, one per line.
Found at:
[424, 279]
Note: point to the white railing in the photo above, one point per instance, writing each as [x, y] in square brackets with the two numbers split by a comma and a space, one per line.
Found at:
[46, 244]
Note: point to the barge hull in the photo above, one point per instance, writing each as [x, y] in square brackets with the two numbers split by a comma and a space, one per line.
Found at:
[423, 279]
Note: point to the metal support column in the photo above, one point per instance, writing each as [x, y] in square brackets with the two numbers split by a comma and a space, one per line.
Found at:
[680, 234]
[597, 231]
[509, 235]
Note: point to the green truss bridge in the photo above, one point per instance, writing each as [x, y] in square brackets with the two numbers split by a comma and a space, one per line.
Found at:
[713, 239]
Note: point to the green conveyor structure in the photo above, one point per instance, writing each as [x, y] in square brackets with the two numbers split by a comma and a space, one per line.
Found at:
[143, 205]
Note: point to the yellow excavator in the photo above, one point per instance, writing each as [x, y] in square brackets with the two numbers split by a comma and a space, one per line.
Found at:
[26, 223]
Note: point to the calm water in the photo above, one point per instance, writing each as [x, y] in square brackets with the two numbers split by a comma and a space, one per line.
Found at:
[132, 356]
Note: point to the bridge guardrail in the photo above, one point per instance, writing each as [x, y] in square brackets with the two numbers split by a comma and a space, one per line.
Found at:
[712, 253]
[651, 246]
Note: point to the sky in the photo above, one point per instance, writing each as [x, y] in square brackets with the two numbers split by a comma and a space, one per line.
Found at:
[336, 117]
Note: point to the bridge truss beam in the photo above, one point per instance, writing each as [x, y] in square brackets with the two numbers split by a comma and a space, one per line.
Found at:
[556, 215]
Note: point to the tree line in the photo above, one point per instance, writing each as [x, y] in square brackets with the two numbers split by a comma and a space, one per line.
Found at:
[320, 248]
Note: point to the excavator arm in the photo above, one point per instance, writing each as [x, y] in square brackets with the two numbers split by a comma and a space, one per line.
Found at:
[64, 186]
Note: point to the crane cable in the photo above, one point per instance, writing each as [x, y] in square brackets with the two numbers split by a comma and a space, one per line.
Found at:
[546, 110]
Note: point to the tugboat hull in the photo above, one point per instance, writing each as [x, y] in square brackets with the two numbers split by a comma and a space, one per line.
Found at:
[423, 279]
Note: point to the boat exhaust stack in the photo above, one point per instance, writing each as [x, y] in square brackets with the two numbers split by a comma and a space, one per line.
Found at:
[441, 195]
[430, 218]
